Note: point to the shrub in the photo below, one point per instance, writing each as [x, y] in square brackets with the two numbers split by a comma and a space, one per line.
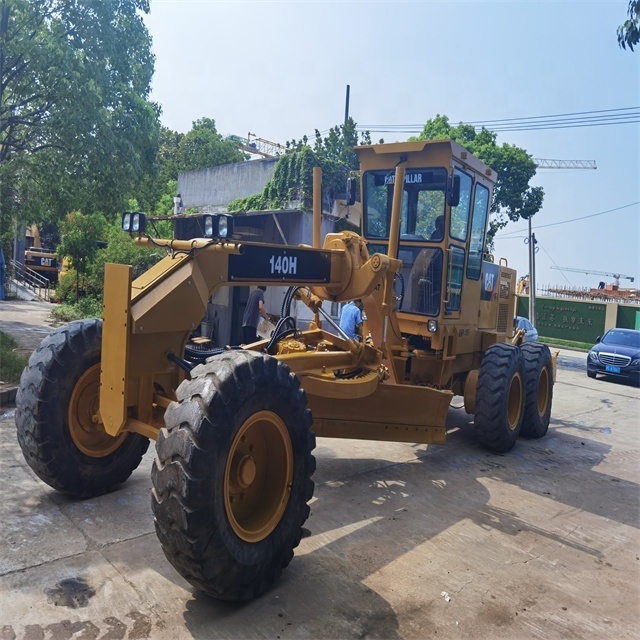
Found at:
[11, 363]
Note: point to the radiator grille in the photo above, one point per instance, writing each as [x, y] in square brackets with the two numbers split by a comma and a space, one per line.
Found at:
[614, 359]
[505, 285]
[503, 312]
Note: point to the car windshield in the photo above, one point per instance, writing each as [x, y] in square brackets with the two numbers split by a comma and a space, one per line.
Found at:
[623, 338]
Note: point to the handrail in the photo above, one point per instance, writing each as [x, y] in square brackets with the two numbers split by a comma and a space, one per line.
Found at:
[31, 279]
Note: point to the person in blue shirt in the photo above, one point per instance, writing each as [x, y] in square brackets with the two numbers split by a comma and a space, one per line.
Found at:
[351, 319]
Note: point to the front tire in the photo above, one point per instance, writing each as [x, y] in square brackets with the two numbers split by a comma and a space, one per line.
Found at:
[56, 405]
[500, 397]
[538, 382]
[232, 475]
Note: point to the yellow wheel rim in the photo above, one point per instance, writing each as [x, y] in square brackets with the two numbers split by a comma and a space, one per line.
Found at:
[543, 391]
[258, 476]
[514, 404]
[87, 434]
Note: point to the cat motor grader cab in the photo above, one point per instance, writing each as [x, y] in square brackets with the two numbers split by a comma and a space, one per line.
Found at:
[235, 434]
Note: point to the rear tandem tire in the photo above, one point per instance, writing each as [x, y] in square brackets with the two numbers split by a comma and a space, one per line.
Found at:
[232, 475]
[55, 406]
[500, 397]
[538, 383]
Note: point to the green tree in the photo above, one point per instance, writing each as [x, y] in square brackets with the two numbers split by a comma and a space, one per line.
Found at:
[79, 242]
[204, 147]
[200, 148]
[77, 130]
[629, 32]
[513, 197]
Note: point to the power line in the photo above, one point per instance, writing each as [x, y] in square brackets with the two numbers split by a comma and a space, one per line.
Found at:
[623, 115]
[555, 115]
[507, 120]
[554, 262]
[554, 224]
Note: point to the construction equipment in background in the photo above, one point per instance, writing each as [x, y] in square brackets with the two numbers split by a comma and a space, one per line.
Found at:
[235, 427]
[259, 146]
[545, 163]
[616, 276]
[42, 260]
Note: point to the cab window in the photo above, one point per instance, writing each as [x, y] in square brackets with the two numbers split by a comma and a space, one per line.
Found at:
[460, 214]
[478, 226]
[419, 285]
[423, 201]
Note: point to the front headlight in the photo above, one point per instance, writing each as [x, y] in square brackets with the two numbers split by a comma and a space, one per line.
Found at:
[208, 226]
[134, 222]
[593, 356]
[635, 362]
[218, 226]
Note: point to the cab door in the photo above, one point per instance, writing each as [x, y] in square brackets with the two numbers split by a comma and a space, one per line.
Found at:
[456, 250]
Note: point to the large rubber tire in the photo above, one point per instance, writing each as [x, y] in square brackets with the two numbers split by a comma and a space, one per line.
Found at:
[538, 384]
[232, 475]
[500, 397]
[55, 403]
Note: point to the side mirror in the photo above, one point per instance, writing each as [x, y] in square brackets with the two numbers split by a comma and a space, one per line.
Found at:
[351, 191]
[598, 339]
[454, 191]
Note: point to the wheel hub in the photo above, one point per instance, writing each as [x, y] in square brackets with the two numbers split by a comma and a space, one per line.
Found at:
[515, 399]
[243, 471]
[258, 476]
[543, 391]
[86, 431]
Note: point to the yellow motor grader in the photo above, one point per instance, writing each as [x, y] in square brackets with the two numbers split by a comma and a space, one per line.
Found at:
[235, 434]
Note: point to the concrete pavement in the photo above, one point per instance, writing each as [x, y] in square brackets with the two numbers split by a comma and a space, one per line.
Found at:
[406, 541]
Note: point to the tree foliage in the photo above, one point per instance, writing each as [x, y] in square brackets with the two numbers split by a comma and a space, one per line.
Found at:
[89, 242]
[513, 197]
[629, 32]
[80, 236]
[77, 130]
[200, 148]
[204, 147]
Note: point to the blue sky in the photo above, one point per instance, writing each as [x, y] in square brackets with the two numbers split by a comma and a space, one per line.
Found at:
[280, 69]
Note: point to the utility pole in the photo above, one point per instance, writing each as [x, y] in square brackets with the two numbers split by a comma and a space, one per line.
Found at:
[545, 163]
[532, 274]
[346, 106]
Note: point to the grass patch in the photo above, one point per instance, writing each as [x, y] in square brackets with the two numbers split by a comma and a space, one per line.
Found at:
[11, 363]
[566, 343]
[84, 308]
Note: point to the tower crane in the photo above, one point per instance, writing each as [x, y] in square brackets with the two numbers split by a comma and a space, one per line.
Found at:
[260, 146]
[615, 276]
[544, 163]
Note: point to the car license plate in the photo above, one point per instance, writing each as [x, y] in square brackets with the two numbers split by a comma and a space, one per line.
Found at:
[611, 369]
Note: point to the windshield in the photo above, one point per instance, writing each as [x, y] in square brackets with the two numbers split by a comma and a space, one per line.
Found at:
[622, 338]
[423, 201]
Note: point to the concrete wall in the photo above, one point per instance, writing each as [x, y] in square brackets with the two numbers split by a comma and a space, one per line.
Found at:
[211, 190]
